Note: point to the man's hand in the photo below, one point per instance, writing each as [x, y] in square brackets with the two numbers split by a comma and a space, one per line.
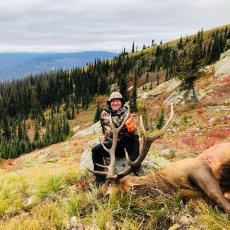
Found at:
[130, 124]
[104, 115]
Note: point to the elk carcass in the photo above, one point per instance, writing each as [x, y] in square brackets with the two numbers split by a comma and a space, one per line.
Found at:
[208, 174]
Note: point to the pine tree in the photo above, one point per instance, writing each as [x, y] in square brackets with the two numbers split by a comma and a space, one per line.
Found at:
[97, 113]
[73, 111]
[147, 77]
[160, 120]
[66, 127]
[133, 48]
[133, 98]
[36, 133]
[180, 44]
[123, 87]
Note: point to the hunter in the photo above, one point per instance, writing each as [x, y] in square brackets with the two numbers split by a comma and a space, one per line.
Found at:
[127, 138]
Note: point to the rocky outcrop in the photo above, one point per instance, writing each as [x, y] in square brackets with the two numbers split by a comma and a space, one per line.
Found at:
[222, 67]
[180, 97]
[167, 87]
[93, 129]
[86, 156]
[151, 162]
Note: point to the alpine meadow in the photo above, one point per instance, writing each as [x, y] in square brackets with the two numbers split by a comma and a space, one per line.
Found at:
[49, 122]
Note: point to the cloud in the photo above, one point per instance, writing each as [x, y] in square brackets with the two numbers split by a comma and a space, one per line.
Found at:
[45, 25]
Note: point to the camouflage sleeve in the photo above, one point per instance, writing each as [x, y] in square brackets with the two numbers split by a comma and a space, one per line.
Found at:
[103, 117]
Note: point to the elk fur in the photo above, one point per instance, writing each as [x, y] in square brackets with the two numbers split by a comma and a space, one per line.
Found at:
[208, 174]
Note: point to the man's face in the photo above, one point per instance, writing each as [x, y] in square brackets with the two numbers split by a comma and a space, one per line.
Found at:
[116, 104]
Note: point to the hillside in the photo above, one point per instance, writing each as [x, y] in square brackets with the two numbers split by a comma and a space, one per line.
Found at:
[49, 188]
[18, 65]
[45, 189]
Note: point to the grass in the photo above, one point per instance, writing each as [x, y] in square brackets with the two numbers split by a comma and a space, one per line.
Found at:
[207, 34]
[12, 196]
[54, 197]
[27, 188]
[51, 187]
[44, 216]
[211, 218]
[85, 116]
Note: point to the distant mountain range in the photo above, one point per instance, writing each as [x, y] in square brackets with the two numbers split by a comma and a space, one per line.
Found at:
[21, 64]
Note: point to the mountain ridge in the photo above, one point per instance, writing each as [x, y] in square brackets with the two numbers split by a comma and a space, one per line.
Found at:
[20, 64]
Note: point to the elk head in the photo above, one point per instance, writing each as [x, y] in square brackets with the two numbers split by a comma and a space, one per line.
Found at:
[109, 173]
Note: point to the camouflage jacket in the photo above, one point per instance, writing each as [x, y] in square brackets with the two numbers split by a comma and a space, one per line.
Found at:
[117, 118]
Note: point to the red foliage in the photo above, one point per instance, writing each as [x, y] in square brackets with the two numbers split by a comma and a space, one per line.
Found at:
[219, 133]
[82, 183]
[215, 137]
[7, 164]
[226, 79]
[190, 141]
[200, 111]
[10, 163]
[210, 142]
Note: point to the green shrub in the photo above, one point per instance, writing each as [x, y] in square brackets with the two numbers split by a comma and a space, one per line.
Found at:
[51, 187]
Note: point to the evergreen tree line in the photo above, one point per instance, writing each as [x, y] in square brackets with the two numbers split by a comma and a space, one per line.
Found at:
[76, 88]
[186, 58]
[171, 58]
[15, 140]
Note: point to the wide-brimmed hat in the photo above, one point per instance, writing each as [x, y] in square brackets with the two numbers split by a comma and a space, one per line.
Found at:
[115, 95]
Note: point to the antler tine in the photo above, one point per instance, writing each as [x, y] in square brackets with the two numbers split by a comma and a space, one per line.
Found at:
[165, 127]
[118, 129]
[146, 145]
[102, 173]
[139, 159]
[102, 166]
[110, 173]
[125, 119]
[124, 173]
[105, 148]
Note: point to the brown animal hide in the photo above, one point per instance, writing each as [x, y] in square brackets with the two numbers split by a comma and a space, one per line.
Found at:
[208, 174]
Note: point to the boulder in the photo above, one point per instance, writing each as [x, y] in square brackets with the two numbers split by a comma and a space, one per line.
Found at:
[167, 87]
[86, 156]
[75, 129]
[168, 153]
[151, 161]
[180, 97]
[222, 67]
[93, 129]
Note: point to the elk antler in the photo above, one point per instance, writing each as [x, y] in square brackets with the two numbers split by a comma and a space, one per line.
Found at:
[147, 141]
[110, 168]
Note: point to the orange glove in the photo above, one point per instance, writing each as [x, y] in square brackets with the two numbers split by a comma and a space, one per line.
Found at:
[130, 124]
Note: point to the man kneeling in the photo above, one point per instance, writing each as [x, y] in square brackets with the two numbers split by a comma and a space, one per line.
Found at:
[127, 138]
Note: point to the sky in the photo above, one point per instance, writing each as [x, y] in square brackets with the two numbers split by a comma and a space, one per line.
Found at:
[110, 25]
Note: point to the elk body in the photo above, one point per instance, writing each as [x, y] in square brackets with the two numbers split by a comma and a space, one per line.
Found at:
[208, 174]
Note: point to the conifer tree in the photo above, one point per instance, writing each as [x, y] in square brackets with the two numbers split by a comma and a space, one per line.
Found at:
[36, 133]
[147, 77]
[190, 70]
[133, 48]
[73, 111]
[97, 113]
[123, 87]
[160, 120]
[133, 98]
